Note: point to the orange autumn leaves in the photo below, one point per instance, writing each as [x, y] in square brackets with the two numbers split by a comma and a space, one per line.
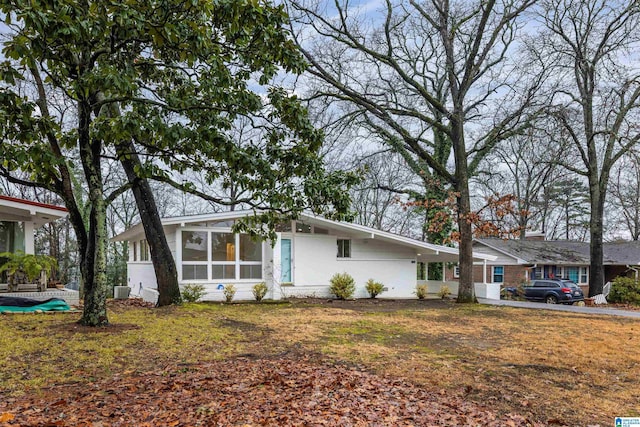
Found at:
[497, 218]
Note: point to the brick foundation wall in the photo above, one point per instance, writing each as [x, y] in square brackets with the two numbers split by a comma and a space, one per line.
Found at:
[513, 274]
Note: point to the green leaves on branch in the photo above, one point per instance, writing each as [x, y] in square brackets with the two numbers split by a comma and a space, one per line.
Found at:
[188, 82]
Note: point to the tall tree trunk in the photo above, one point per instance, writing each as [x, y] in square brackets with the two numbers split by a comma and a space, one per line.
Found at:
[163, 263]
[466, 291]
[95, 254]
[596, 228]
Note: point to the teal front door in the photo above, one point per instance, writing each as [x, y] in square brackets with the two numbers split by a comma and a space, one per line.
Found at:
[285, 260]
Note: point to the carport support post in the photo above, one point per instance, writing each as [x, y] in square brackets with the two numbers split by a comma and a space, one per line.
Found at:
[484, 271]
[444, 272]
[29, 238]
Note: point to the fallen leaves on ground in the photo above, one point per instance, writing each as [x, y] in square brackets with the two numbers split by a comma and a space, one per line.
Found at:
[129, 302]
[251, 392]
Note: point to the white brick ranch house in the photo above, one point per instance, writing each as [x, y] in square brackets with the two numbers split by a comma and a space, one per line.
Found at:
[305, 255]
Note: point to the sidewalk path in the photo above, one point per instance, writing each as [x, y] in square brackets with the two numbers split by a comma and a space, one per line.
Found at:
[562, 307]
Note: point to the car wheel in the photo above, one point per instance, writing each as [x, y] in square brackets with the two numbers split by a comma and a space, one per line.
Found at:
[551, 299]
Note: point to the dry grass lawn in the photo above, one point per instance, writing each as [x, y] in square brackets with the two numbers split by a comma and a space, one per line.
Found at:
[552, 367]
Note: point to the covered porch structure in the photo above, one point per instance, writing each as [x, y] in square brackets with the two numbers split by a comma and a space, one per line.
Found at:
[19, 220]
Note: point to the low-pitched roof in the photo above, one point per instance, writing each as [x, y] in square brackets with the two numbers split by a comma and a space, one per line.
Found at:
[563, 252]
[426, 251]
[15, 209]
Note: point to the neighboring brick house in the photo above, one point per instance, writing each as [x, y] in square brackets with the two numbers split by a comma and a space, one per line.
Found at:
[519, 261]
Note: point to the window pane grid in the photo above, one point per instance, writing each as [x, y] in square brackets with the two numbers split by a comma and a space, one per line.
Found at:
[250, 250]
[223, 247]
[219, 271]
[194, 245]
[498, 274]
[228, 256]
[251, 271]
[344, 248]
[194, 272]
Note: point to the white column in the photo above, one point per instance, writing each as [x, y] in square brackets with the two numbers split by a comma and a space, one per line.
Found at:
[444, 271]
[274, 278]
[484, 271]
[179, 252]
[29, 238]
[237, 255]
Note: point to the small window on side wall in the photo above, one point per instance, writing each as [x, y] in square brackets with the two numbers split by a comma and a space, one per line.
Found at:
[344, 248]
[497, 274]
[144, 250]
[456, 272]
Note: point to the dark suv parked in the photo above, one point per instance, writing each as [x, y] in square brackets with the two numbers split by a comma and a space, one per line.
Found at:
[553, 291]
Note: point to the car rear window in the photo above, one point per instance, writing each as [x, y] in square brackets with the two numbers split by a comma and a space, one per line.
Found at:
[545, 284]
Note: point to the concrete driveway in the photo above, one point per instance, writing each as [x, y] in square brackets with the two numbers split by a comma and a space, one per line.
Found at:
[600, 310]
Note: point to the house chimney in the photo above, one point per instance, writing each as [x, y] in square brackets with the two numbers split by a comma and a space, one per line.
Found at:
[534, 235]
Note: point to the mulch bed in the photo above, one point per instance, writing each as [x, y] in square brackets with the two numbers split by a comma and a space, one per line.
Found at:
[280, 391]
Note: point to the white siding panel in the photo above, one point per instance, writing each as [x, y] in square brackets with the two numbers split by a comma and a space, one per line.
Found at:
[315, 262]
[170, 233]
[372, 249]
[501, 258]
[141, 275]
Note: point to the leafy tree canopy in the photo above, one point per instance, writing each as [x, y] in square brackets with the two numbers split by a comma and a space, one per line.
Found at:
[175, 77]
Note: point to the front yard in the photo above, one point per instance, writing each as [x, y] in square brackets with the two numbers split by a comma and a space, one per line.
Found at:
[368, 362]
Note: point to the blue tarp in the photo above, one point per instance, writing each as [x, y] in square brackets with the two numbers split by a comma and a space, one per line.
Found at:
[16, 304]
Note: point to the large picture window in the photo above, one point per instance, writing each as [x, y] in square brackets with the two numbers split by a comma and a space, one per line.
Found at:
[230, 256]
[194, 245]
[223, 255]
[250, 250]
[223, 247]
[250, 257]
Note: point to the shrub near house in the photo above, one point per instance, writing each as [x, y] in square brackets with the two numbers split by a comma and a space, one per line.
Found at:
[374, 288]
[342, 286]
[28, 265]
[625, 290]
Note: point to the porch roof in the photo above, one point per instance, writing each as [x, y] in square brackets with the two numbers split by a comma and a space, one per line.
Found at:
[15, 209]
[563, 252]
[425, 252]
